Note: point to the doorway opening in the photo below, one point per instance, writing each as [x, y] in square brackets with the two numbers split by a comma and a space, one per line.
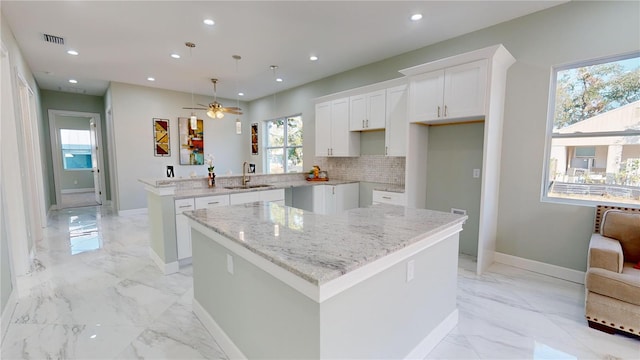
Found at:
[77, 158]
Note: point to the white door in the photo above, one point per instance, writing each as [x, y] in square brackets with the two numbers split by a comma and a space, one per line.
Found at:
[95, 169]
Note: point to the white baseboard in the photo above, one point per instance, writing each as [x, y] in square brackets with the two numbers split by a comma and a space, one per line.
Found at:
[216, 331]
[166, 268]
[435, 336]
[7, 313]
[77, 191]
[542, 268]
[141, 211]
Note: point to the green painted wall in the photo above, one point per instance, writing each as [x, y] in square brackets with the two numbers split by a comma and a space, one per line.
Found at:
[551, 233]
[57, 100]
[453, 151]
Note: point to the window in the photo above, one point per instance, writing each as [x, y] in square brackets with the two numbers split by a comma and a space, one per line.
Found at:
[284, 145]
[76, 149]
[593, 153]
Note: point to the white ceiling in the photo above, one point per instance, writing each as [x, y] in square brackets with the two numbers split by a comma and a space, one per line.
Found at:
[128, 41]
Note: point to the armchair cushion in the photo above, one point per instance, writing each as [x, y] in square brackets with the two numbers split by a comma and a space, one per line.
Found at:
[605, 253]
[624, 227]
[624, 286]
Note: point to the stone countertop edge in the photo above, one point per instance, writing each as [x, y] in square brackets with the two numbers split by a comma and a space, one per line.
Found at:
[342, 243]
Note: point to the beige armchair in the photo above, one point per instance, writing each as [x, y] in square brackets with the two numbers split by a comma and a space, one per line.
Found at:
[612, 283]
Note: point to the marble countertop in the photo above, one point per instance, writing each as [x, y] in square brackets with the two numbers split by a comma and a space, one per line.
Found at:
[390, 188]
[320, 248]
[221, 190]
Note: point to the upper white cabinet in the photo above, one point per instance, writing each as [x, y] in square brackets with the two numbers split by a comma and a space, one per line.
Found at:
[367, 111]
[396, 121]
[449, 94]
[333, 137]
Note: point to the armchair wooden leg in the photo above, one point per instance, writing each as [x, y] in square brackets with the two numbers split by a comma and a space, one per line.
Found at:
[601, 327]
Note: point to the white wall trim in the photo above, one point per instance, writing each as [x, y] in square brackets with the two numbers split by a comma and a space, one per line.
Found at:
[7, 313]
[131, 212]
[542, 268]
[166, 268]
[216, 331]
[435, 336]
[75, 191]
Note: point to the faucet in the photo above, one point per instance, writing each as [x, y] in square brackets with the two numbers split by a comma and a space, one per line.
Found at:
[245, 179]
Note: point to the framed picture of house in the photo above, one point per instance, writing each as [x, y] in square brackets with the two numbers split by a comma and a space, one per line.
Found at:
[254, 139]
[191, 142]
[161, 143]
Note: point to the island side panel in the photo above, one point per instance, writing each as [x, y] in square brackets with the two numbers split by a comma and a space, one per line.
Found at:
[162, 226]
[386, 317]
[264, 317]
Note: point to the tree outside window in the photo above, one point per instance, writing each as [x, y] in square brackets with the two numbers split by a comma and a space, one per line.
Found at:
[283, 151]
[594, 153]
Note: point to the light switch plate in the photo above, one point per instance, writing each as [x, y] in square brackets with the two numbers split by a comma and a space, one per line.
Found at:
[230, 264]
[476, 173]
[410, 269]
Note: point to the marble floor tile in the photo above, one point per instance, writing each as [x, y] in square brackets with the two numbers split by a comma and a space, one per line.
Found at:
[102, 297]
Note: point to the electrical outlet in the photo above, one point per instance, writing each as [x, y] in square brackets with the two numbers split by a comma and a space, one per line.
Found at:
[230, 264]
[458, 211]
[410, 269]
[476, 173]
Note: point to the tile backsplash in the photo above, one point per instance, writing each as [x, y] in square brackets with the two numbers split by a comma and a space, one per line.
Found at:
[370, 168]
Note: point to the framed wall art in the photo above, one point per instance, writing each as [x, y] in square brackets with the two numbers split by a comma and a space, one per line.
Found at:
[162, 145]
[191, 142]
[254, 139]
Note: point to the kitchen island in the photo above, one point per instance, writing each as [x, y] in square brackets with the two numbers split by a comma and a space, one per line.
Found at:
[272, 281]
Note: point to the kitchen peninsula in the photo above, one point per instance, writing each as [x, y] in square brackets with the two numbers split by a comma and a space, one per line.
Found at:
[272, 281]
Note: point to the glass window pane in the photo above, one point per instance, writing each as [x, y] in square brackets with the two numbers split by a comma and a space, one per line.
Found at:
[294, 131]
[275, 161]
[76, 149]
[294, 159]
[275, 133]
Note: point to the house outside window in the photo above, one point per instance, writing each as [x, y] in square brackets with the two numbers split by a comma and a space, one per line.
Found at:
[76, 149]
[593, 152]
[283, 150]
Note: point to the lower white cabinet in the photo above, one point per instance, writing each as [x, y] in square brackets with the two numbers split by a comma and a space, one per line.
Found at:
[334, 199]
[389, 197]
[208, 202]
[276, 195]
[183, 230]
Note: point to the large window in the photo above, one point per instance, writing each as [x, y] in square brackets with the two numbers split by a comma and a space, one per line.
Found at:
[76, 149]
[283, 151]
[594, 132]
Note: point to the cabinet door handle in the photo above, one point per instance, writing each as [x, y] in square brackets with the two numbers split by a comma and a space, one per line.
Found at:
[367, 122]
[363, 123]
[445, 111]
[386, 150]
[184, 206]
[214, 202]
[328, 151]
[438, 110]
[333, 190]
[387, 197]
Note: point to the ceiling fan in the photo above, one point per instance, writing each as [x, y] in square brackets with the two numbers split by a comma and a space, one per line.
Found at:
[215, 110]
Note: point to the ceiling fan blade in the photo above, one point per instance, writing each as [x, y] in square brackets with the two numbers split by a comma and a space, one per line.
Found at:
[231, 111]
[232, 108]
[202, 105]
[194, 108]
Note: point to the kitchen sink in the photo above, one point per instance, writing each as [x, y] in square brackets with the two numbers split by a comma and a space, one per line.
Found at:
[247, 186]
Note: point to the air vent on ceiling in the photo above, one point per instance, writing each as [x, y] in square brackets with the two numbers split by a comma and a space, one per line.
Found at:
[53, 39]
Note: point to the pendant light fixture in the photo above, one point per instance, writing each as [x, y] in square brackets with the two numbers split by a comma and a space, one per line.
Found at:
[193, 119]
[238, 122]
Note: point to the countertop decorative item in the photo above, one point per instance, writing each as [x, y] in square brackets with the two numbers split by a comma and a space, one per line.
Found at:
[316, 175]
[210, 167]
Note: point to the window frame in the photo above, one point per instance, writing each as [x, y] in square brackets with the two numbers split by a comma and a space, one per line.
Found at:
[553, 85]
[285, 145]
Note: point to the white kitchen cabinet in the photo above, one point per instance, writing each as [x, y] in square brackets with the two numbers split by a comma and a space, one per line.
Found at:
[334, 199]
[183, 230]
[396, 121]
[333, 137]
[389, 197]
[208, 202]
[367, 111]
[274, 195]
[450, 94]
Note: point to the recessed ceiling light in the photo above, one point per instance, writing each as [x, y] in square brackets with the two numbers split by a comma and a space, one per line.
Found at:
[175, 56]
[72, 52]
[240, 94]
[416, 17]
[313, 58]
[151, 78]
[209, 22]
[73, 81]
[279, 80]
